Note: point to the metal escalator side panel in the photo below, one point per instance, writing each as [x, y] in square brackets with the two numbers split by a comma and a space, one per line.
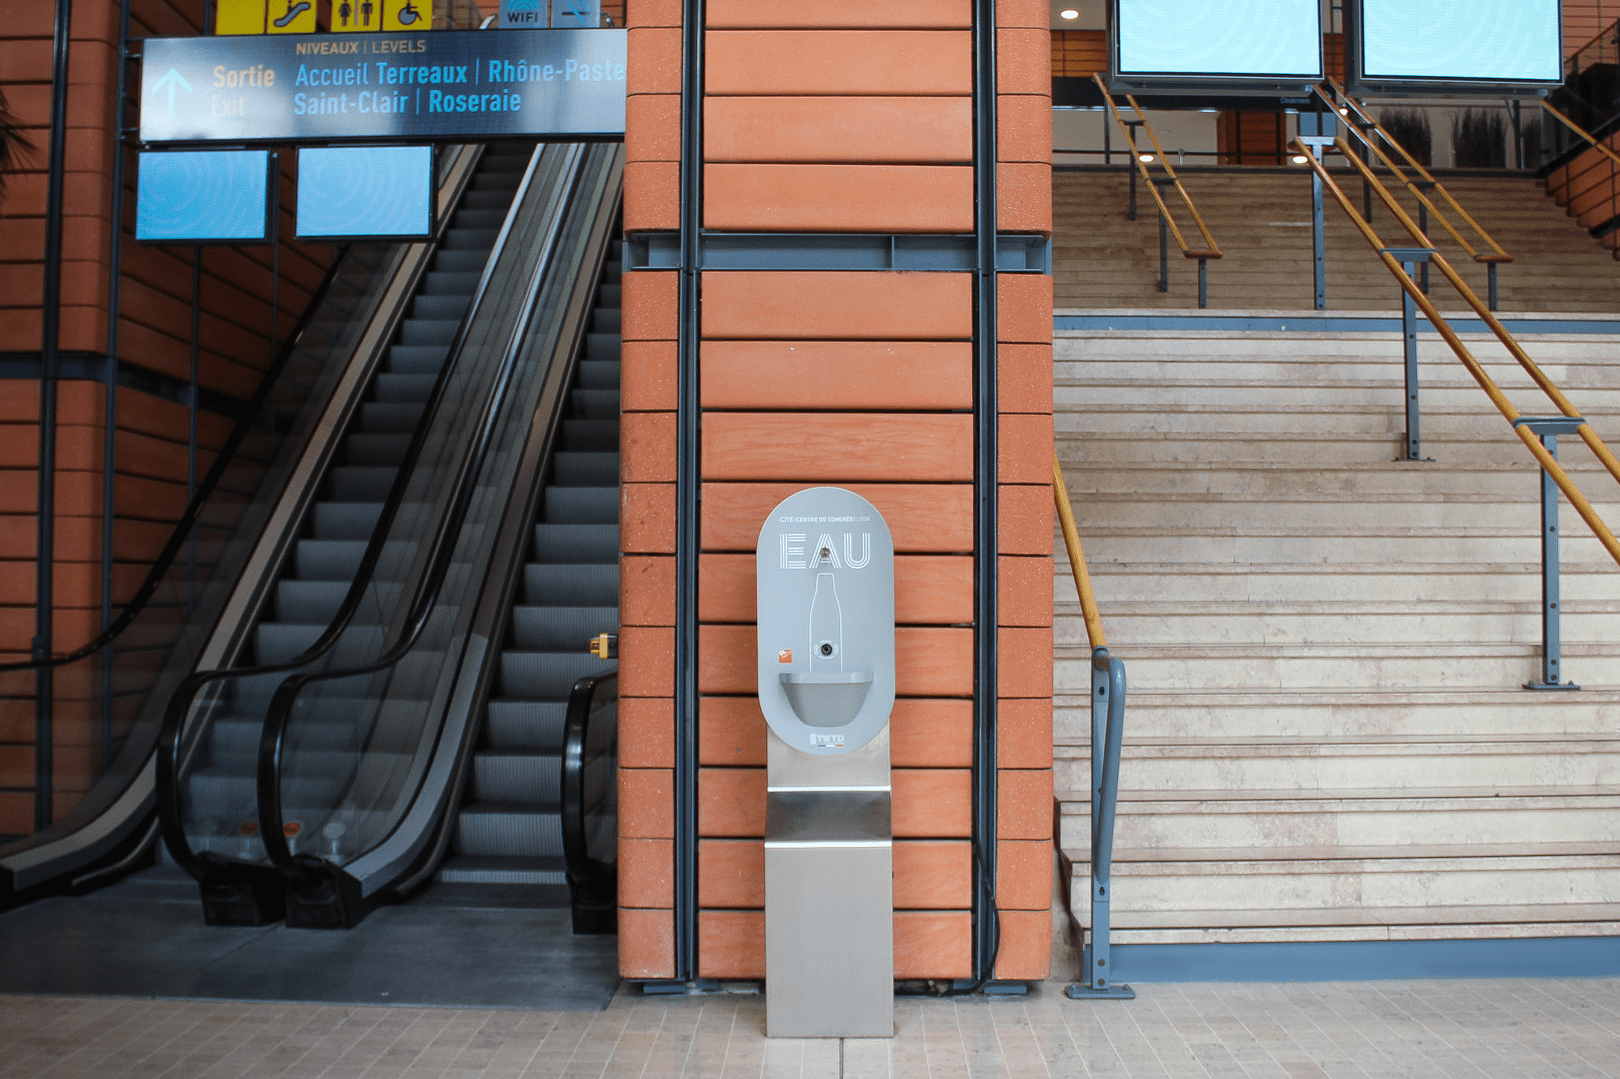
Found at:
[461, 645]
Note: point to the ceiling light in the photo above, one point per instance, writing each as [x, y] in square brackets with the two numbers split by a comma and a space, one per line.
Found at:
[1298, 159]
[1068, 13]
[1146, 159]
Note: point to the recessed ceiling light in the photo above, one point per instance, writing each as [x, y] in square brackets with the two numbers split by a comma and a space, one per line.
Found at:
[1298, 159]
[1146, 159]
[1068, 13]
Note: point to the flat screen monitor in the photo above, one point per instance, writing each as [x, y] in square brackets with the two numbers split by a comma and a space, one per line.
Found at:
[365, 192]
[203, 196]
[1177, 45]
[1456, 46]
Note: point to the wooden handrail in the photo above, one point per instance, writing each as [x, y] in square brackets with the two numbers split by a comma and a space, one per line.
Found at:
[1077, 558]
[1547, 461]
[1600, 147]
[1341, 102]
[1211, 250]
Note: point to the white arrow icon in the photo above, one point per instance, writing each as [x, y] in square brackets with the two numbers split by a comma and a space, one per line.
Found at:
[171, 80]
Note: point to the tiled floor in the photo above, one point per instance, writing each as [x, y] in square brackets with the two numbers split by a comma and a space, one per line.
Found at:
[1536, 1029]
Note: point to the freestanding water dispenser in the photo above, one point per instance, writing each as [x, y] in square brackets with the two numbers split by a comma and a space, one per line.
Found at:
[825, 600]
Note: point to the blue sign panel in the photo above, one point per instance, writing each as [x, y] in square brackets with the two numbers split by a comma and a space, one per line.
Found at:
[365, 191]
[443, 86]
[218, 196]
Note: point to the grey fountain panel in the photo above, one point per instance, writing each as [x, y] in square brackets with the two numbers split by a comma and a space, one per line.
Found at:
[825, 605]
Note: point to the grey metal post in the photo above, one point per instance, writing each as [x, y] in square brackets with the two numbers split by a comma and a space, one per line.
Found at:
[1547, 429]
[1410, 257]
[1424, 186]
[1203, 283]
[1132, 125]
[1316, 143]
[1490, 273]
[1164, 240]
[1107, 740]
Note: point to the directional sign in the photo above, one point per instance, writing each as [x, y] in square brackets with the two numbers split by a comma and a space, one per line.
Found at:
[441, 86]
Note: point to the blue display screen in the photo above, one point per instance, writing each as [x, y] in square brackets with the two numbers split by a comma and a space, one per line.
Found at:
[200, 196]
[1193, 38]
[365, 191]
[1465, 40]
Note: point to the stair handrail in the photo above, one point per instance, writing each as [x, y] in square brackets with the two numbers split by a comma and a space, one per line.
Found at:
[1595, 143]
[1211, 249]
[1107, 746]
[442, 544]
[1077, 558]
[1549, 463]
[1340, 101]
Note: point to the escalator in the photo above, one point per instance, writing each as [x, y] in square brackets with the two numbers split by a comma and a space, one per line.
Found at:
[373, 676]
[112, 688]
[448, 448]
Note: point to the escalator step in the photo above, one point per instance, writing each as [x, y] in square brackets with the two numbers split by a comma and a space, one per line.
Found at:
[532, 778]
[546, 675]
[610, 295]
[575, 469]
[497, 828]
[328, 560]
[469, 217]
[602, 346]
[390, 417]
[520, 724]
[598, 375]
[400, 389]
[582, 505]
[449, 305]
[600, 436]
[561, 629]
[576, 543]
[417, 359]
[494, 869]
[482, 240]
[596, 404]
[353, 483]
[605, 320]
[461, 261]
[365, 449]
[346, 520]
[309, 601]
[495, 198]
[425, 331]
[442, 283]
[563, 585]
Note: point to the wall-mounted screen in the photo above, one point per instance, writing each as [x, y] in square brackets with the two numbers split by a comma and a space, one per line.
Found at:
[1238, 43]
[360, 192]
[1457, 45]
[203, 196]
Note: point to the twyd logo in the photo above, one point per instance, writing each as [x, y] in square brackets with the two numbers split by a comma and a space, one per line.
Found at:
[824, 552]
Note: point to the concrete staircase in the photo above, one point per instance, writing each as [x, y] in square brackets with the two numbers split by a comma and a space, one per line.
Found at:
[1326, 736]
[1262, 220]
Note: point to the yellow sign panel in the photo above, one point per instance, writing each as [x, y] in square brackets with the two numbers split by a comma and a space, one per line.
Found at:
[291, 17]
[356, 16]
[414, 15]
[240, 17]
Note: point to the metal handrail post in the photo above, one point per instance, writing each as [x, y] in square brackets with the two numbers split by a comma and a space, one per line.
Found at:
[1107, 740]
[1423, 226]
[1136, 158]
[1547, 429]
[1203, 282]
[1316, 144]
[1410, 258]
[1164, 238]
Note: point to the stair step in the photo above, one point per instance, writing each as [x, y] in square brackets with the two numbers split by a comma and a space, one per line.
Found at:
[546, 675]
[509, 829]
[561, 629]
[525, 776]
[565, 585]
[577, 543]
[495, 869]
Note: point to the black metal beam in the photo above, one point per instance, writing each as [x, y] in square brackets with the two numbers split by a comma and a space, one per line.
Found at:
[986, 931]
[688, 479]
[49, 341]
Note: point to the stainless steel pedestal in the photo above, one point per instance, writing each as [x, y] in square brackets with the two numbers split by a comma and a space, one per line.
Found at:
[829, 894]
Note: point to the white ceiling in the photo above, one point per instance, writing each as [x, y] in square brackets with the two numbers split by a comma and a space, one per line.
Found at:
[1093, 15]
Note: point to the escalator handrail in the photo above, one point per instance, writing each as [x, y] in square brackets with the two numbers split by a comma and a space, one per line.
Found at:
[251, 409]
[273, 735]
[588, 874]
[171, 742]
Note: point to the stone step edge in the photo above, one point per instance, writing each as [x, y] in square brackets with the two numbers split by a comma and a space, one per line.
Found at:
[1172, 748]
[1249, 860]
[1324, 697]
[1353, 799]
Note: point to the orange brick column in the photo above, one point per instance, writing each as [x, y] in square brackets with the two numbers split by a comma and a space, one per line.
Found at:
[836, 118]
